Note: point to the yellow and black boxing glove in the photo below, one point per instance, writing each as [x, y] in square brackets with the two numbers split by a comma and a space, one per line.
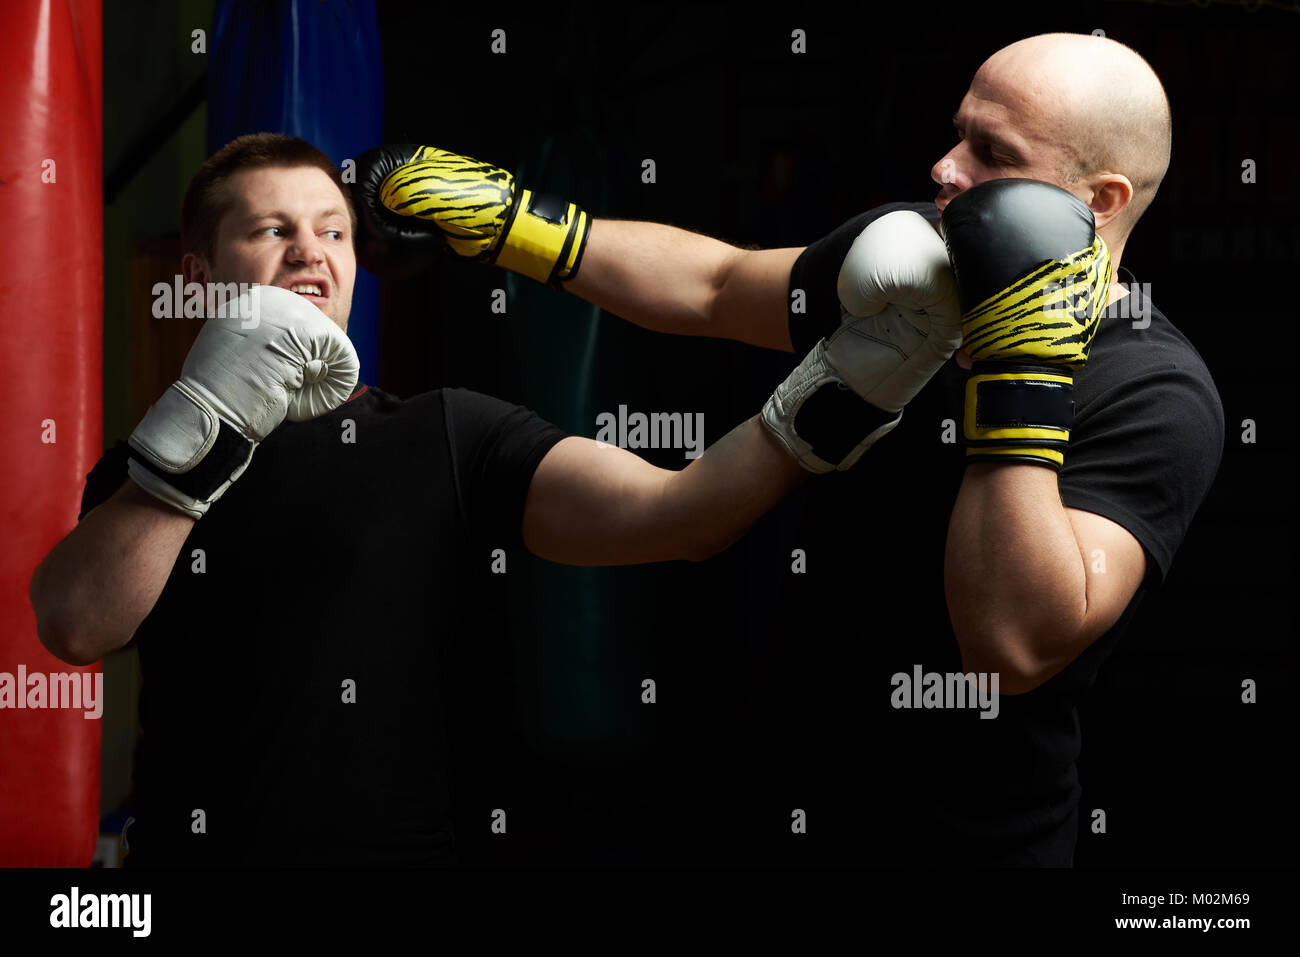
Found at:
[414, 200]
[1033, 278]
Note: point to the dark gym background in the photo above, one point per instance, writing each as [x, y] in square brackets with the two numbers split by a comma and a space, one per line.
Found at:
[756, 145]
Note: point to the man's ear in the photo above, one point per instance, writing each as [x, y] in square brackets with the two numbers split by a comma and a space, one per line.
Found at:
[1111, 194]
[195, 268]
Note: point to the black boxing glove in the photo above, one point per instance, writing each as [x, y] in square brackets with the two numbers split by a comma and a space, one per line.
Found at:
[414, 200]
[1034, 278]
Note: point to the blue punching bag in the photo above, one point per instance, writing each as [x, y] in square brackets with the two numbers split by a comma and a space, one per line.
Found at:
[312, 69]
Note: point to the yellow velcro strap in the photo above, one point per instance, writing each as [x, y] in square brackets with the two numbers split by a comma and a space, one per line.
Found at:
[534, 245]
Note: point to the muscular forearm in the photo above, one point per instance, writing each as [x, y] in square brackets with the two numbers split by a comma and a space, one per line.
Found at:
[675, 281]
[594, 504]
[714, 500]
[657, 276]
[95, 587]
[1013, 573]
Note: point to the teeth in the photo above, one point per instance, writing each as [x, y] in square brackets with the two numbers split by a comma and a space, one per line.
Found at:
[307, 287]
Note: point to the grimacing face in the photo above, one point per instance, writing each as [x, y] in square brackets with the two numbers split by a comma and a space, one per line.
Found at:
[288, 227]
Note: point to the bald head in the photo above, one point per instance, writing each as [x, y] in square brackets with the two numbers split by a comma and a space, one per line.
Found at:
[1098, 100]
[1078, 111]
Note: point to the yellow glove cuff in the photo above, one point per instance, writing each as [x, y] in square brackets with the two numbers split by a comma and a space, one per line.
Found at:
[544, 238]
[1018, 413]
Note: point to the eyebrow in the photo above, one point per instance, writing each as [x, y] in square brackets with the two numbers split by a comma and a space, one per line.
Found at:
[281, 214]
[993, 141]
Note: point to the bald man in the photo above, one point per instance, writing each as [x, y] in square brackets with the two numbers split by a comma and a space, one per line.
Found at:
[1009, 569]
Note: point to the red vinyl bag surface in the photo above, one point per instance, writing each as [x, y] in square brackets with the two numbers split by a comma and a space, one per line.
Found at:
[51, 288]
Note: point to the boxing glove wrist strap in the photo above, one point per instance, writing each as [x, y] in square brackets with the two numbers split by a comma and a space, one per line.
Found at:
[544, 238]
[185, 454]
[229, 453]
[822, 422]
[1018, 413]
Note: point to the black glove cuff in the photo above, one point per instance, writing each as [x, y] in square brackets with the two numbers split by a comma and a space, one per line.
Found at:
[229, 452]
[1008, 403]
[835, 419]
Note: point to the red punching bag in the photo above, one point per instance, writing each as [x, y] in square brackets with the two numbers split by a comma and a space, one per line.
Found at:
[51, 288]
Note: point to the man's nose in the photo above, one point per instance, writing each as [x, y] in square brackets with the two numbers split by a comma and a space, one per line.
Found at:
[946, 172]
[308, 248]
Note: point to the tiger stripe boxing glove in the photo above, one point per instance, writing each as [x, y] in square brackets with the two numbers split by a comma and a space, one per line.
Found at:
[1034, 279]
[413, 200]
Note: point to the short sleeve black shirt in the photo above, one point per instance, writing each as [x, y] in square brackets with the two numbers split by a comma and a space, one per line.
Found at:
[295, 666]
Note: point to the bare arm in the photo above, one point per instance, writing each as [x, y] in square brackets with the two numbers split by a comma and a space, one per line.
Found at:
[672, 280]
[1030, 583]
[95, 587]
[592, 504]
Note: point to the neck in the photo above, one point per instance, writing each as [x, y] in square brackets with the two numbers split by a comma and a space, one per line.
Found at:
[1117, 291]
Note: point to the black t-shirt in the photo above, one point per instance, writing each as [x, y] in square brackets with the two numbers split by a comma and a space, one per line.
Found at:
[944, 784]
[295, 672]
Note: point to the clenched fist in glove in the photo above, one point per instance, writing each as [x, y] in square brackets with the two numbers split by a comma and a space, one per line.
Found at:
[415, 200]
[900, 321]
[267, 356]
[1034, 280]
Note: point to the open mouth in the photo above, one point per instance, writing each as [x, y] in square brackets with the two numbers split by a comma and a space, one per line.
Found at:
[309, 289]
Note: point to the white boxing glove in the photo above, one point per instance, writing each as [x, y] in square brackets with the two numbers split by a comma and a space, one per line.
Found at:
[268, 355]
[900, 321]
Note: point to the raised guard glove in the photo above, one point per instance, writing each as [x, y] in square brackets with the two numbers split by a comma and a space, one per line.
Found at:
[266, 356]
[1034, 280]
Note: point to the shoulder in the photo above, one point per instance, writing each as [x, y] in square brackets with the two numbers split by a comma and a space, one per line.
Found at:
[463, 403]
[1148, 432]
[1137, 348]
[466, 415]
[841, 238]
[496, 447]
[474, 416]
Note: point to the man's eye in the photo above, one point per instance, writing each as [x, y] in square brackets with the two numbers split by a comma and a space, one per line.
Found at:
[337, 233]
[267, 229]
